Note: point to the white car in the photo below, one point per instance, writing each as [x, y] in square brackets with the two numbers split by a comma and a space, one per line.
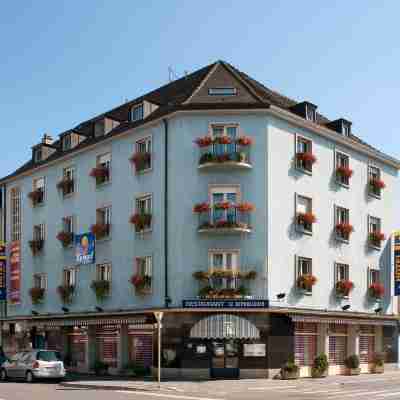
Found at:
[33, 364]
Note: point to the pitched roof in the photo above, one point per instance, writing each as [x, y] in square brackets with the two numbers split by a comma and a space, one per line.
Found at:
[174, 97]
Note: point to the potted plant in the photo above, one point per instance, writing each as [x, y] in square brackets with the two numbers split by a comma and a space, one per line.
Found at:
[37, 294]
[379, 363]
[377, 184]
[201, 208]
[136, 370]
[66, 185]
[141, 160]
[204, 141]
[142, 283]
[376, 290]
[100, 368]
[320, 366]
[344, 287]
[306, 220]
[306, 159]
[353, 365]
[376, 238]
[36, 196]
[201, 276]
[245, 207]
[344, 230]
[101, 174]
[141, 221]
[305, 282]
[66, 238]
[100, 230]
[344, 172]
[36, 246]
[244, 141]
[290, 370]
[66, 292]
[101, 288]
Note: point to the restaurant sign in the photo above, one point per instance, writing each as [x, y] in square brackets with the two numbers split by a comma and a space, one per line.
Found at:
[225, 303]
[396, 258]
[3, 271]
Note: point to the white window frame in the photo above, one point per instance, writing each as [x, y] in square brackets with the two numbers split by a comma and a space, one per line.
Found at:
[15, 213]
[225, 190]
[235, 264]
[222, 91]
[40, 278]
[224, 126]
[309, 148]
[69, 173]
[148, 266]
[311, 113]
[342, 269]
[40, 183]
[39, 232]
[106, 163]
[104, 270]
[309, 209]
[148, 144]
[339, 212]
[147, 200]
[300, 262]
[379, 224]
[67, 142]
[104, 216]
[372, 167]
[372, 272]
[68, 222]
[70, 276]
[133, 112]
[345, 182]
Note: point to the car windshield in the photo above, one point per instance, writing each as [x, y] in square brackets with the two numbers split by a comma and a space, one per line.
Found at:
[48, 356]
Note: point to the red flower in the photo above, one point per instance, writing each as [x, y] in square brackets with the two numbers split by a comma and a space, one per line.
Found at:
[377, 183]
[344, 228]
[244, 141]
[344, 171]
[306, 218]
[245, 207]
[204, 141]
[65, 238]
[306, 281]
[376, 290]
[201, 208]
[307, 157]
[100, 230]
[377, 236]
[344, 287]
[223, 140]
[99, 172]
[224, 205]
[136, 280]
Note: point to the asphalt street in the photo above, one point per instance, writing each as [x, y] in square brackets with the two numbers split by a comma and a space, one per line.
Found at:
[374, 387]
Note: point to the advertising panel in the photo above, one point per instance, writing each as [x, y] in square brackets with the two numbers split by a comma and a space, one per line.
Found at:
[15, 272]
[3, 272]
[396, 258]
[85, 248]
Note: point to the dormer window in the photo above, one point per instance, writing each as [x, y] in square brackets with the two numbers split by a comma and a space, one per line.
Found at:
[346, 129]
[137, 112]
[306, 110]
[66, 142]
[38, 154]
[311, 113]
[222, 91]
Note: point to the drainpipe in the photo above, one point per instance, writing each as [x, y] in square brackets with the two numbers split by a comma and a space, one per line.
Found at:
[167, 299]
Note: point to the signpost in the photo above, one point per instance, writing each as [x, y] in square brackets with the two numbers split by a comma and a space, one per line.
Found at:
[159, 316]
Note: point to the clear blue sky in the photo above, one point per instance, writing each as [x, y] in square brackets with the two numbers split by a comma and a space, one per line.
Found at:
[65, 61]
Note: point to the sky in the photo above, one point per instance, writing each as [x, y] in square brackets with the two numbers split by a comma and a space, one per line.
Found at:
[63, 62]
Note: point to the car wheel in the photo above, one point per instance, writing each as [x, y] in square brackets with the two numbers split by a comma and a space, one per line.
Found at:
[29, 377]
[3, 375]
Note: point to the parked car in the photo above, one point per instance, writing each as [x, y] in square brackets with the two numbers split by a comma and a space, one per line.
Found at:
[33, 364]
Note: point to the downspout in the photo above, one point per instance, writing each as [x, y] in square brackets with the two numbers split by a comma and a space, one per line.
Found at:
[167, 299]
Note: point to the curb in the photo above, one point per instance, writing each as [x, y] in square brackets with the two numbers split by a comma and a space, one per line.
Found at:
[112, 387]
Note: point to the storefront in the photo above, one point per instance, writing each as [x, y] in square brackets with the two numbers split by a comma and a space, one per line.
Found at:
[107, 345]
[140, 346]
[305, 345]
[338, 344]
[77, 349]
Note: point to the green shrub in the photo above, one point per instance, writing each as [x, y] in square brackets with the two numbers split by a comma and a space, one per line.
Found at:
[100, 367]
[290, 366]
[352, 362]
[137, 370]
[321, 363]
[379, 359]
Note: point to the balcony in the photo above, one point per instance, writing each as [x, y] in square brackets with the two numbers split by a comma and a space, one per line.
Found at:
[224, 152]
[224, 218]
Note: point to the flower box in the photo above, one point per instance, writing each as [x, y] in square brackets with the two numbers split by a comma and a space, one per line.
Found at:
[377, 184]
[141, 160]
[376, 290]
[66, 292]
[306, 220]
[37, 294]
[66, 185]
[244, 141]
[375, 238]
[344, 287]
[101, 174]
[141, 222]
[224, 205]
[344, 172]
[306, 160]
[201, 208]
[306, 282]
[344, 230]
[245, 207]
[36, 196]
[101, 288]
[101, 231]
[142, 283]
[66, 238]
[204, 141]
[36, 246]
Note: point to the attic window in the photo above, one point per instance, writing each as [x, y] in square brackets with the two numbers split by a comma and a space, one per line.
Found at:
[222, 91]
[311, 113]
[66, 142]
[346, 129]
[38, 154]
[137, 112]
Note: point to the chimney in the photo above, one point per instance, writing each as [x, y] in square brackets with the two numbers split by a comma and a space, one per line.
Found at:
[47, 139]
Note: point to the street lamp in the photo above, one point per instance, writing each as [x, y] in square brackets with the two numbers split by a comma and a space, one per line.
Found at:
[159, 316]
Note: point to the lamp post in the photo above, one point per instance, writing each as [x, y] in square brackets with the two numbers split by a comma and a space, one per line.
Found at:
[159, 316]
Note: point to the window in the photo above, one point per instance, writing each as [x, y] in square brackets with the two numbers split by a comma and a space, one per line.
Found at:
[143, 149]
[40, 188]
[15, 214]
[67, 142]
[69, 276]
[40, 281]
[68, 181]
[39, 232]
[222, 91]
[38, 154]
[144, 272]
[373, 276]
[104, 162]
[228, 131]
[304, 269]
[304, 215]
[103, 272]
[342, 223]
[341, 272]
[305, 343]
[304, 156]
[220, 195]
[346, 129]
[68, 224]
[343, 171]
[225, 260]
[338, 334]
[374, 231]
[103, 221]
[374, 176]
[311, 113]
[137, 112]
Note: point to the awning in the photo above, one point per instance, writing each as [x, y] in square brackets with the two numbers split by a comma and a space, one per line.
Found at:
[224, 326]
[343, 321]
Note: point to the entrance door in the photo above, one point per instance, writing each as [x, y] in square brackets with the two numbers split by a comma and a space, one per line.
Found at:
[225, 359]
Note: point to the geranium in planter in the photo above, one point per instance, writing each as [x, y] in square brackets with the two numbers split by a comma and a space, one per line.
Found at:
[306, 160]
[201, 208]
[201, 276]
[142, 283]
[101, 288]
[376, 238]
[245, 207]
[376, 185]
[36, 246]
[141, 221]
[222, 140]
[344, 172]
[100, 230]
[66, 238]
[36, 196]
[101, 174]
[376, 290]
[353, 364]
[306, 220]
[344, 230]
[66, 292]
[141, 160]
[37, 295]
[306, 282]
[223, 205]
[204, 141]
[66, 185]
[344, 287]
[244, 141]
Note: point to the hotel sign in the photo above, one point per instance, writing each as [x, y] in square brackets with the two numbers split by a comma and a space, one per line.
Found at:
[3, 272]
[396, 258]
[225, 303]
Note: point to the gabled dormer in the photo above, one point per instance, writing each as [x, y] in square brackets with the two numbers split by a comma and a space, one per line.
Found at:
[306, 110]
[103, 126]
[44, 149]
[141, 110]
[70, 139]
[341, 125]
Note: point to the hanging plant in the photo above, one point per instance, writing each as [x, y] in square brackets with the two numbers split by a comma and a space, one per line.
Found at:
[344, 287]
[66, 238]
[101, 288]
[141, 221]
[376, 290]
[37, 295]
[66, 292]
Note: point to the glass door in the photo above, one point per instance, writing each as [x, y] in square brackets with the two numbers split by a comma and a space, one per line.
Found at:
[225, 359]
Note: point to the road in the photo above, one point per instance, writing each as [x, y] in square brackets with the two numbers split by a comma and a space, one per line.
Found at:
[374, 387]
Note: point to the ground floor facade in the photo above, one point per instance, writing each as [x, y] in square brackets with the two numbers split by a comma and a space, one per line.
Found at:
[209, 343]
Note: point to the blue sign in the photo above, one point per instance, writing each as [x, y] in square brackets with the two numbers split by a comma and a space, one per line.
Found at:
[225, 303]
[3, 280]
[85, 248]
[396, 257]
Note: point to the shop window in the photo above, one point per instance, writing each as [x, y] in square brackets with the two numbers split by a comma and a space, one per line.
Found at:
[107, 341]
[305, 343]
[140, 347]
[337, 344]
[366, 344]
